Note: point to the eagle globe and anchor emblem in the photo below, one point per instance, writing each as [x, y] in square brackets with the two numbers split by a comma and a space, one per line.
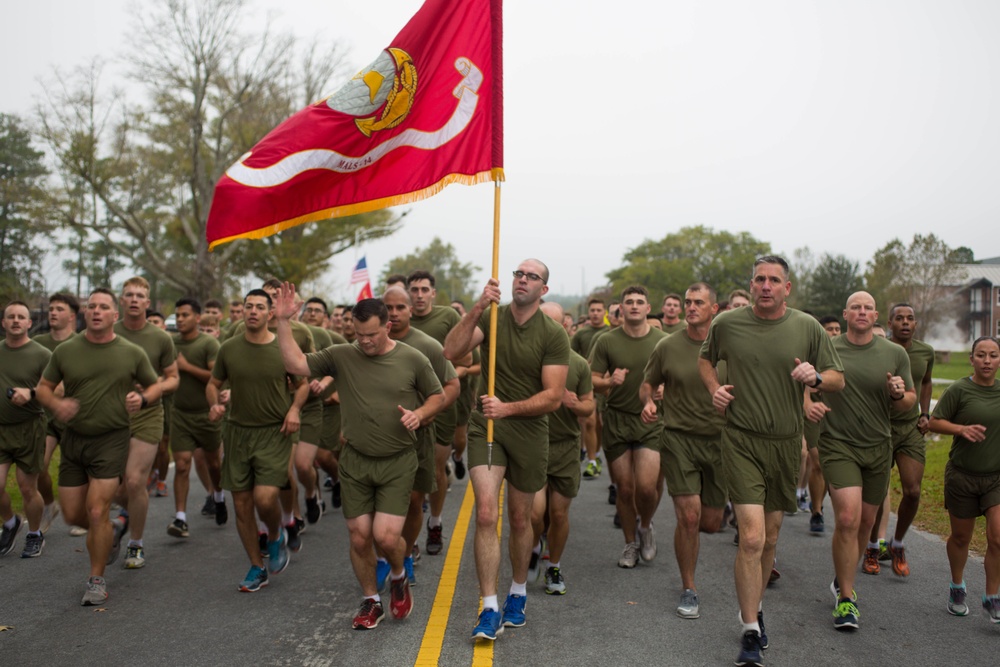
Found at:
[389, 84]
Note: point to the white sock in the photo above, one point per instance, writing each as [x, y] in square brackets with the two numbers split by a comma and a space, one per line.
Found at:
[593, 461]
[873, 545]
[519, 589]
[286, 518]
[182, 516]
[896, 544]
[555, 565]
[374, 597]
[750, 626]
[397, 577]
[537, 550]
[434, 522]
[9, 523]
[261, 527]
[490, 602]
[135, 543]
[219, 496]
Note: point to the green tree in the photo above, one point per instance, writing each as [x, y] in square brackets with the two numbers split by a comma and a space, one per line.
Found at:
[452, 278]
[834, 278]
[923, 274]
[722, 259]
[22, 173]
[212, 92]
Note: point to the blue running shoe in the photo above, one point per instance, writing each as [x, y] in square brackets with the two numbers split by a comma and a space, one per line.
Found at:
[255, 580]
[408, 567]
[763, 633]
[749, 655]
[513, 611]
[381, 574]
[489, 626]
[277, 552]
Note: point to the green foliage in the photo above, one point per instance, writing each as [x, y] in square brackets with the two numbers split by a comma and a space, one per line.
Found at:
[452, 278]
[21, 221]
[922, 274]
[834, 278]
[722, 259]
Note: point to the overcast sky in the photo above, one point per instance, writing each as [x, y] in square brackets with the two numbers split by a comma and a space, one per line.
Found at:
[834, 125]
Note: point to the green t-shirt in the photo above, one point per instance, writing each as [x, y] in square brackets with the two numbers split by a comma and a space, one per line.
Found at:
[49, 343]
[470, 383]
[436, 323]
[860, 413]
[965, 402]
[434, 351]
[522, 351]
[99, 376]
[321, 337]
[584, 338]
[21, 367]
[259, 385]
[563, 423]
[200, 351]
[687, 404]
[371, 388]
[616, 349]
[921, 363]
[674, 328]
[157, 344]
[760, 356]
[300, 332]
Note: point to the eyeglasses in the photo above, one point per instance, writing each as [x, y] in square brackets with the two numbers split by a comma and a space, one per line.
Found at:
[529, 276]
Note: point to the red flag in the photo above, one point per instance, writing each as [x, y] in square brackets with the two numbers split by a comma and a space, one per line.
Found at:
[366, 292]
[426, 113]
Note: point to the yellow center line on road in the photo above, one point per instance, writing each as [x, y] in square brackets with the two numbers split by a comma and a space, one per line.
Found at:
[437, 623]
[482, 652]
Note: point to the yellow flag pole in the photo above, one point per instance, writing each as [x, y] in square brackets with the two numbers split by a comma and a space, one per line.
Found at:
[491, 375]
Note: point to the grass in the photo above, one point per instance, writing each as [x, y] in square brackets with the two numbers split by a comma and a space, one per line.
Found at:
[15, 493]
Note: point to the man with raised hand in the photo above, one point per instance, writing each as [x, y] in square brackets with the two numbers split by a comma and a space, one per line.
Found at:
[148, 423]
[617, 361]
[388, 390]
[532, 357]
[855, 447]
[99, 371]
[771, 352]
[22, 428]
[691, 442]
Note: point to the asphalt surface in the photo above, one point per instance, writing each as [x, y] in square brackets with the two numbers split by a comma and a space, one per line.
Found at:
[184, 607]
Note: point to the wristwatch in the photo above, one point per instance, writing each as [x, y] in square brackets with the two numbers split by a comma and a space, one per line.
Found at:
[819, 380]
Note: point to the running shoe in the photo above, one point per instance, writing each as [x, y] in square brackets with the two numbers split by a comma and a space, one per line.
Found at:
[554, 582]
[899, 565]
[835, 589]
[410, 576]
[630, 556]
[400, 598]
[816, 524]
[991, 605]
[534, 570]
[803, 502]
[371, 615]
[300, 523]
[488, 626]
[600, 466]
[612, 494]
[415, 553]
[161, 490]
[459, 467]
[435, 539]
[591, 471]
[883, 551]
[313, 510]
[135, 557]
[617, 521]
[96, 593]
[33, 544]
[9, 535]
[381, 574]
[49, 515]
[773, 577]
[764, 643]
[77, 531]
[151, 481]
[513, 611]
[208, 509]
[647, 543]
[255, 580]
[688, 608]
[335, 496]
[870, 563]
[262, 541]
[845, 616]
[750, 649]
[118, 529]
[221, 513]
[178, 528]
[292, 532]
[956, 601]
[278, 554]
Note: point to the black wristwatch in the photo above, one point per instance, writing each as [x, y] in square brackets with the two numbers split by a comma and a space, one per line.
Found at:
[819, 380]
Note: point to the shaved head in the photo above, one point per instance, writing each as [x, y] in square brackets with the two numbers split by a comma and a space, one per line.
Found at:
[553, 310]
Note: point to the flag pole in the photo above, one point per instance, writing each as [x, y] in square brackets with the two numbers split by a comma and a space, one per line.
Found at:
[491, 375]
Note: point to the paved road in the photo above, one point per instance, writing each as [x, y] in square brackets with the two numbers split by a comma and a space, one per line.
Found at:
[183, 608]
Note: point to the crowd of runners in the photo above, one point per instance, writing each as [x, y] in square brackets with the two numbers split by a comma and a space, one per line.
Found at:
[741, 409]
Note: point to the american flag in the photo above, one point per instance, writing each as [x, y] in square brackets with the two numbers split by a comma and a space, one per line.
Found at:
[360, 273]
